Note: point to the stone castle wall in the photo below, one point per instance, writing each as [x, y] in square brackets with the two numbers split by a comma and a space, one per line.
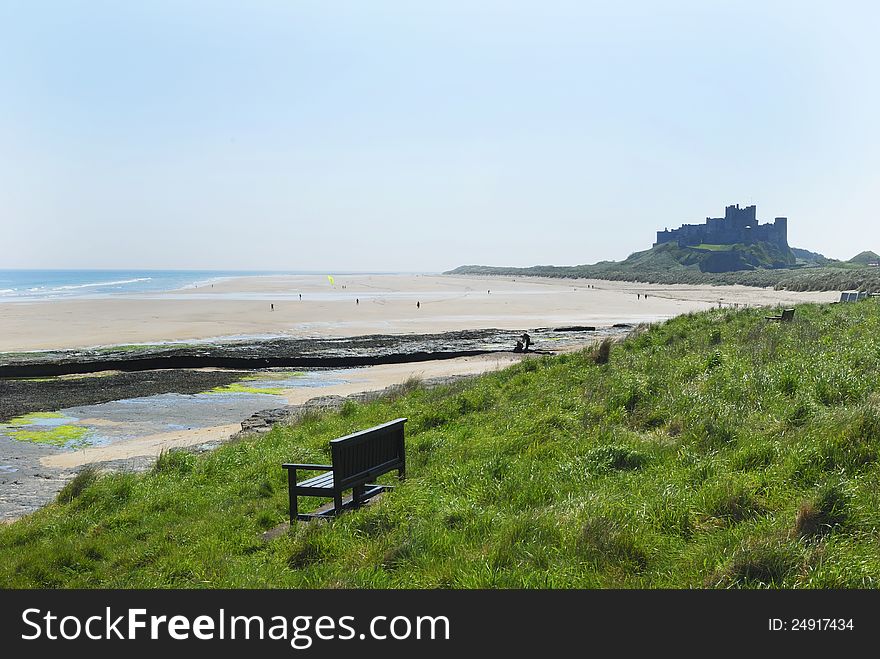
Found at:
[739, 225]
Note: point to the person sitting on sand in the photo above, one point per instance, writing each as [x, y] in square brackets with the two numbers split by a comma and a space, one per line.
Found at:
[518, 347]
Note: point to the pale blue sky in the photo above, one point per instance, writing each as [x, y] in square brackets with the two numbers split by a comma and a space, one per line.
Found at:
[423, 135]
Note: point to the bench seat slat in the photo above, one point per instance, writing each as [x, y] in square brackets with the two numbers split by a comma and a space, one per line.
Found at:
[324, 481]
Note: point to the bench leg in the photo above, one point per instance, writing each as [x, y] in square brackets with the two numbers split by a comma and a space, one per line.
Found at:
[291, 491]
[357, 495]
[337, 502]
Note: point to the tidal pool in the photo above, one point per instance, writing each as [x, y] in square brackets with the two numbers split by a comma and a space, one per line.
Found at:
[131, 418]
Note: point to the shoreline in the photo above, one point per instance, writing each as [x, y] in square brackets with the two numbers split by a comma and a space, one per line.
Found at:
[56, 379]
[41, 471]
[357, 305]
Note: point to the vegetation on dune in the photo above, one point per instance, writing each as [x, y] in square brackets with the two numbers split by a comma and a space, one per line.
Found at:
[670, 264]
[865, 258]
[714, 450]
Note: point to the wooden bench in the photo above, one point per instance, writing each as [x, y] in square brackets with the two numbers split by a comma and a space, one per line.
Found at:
[357, 459]
[786, 317]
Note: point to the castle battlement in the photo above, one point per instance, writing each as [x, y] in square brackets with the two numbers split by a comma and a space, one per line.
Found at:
[739, 225]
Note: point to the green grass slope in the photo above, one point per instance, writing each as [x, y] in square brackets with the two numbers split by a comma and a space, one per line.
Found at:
[714, 450]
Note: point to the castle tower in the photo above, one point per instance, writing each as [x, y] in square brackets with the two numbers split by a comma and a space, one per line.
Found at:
[781, 229]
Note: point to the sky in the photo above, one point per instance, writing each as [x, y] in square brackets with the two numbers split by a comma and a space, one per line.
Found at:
[419, 136]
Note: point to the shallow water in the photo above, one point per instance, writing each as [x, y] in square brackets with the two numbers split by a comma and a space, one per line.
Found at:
[132, 418]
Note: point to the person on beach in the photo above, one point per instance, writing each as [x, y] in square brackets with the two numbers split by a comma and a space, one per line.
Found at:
[357, 301]
[527, 340]
[418, 305]
[300, 297]
[271, 307]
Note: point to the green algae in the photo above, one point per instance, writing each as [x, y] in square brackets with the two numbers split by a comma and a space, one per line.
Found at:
[57, 436]
[34, 417]
[239, 388]
[277, 375]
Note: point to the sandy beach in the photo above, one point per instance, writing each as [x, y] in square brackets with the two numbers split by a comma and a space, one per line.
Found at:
[242, 307]
[358, 305]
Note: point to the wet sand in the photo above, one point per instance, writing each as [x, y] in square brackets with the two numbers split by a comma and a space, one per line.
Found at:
[368, 304]
[358, 380]
[150, 445]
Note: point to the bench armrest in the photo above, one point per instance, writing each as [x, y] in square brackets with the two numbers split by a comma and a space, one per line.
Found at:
[312, 467]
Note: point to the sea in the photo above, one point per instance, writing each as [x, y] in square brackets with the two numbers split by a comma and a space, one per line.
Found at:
[34, 285]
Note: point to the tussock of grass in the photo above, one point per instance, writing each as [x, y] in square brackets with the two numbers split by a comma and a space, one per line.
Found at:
[713, 450]
[604, 540]
[822, 514]
[174, 461]
[73, 489]
[601, 354]
[609, 458]
[763, 563]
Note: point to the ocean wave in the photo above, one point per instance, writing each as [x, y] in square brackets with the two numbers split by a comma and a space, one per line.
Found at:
[101, 283]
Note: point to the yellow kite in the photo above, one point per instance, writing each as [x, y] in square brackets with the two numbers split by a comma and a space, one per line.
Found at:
[332, 281]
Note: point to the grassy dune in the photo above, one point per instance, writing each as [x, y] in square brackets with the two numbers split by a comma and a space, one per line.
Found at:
[714, 450]
[669, 265]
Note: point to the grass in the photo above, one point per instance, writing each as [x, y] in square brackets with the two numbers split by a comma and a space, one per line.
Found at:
[669, 264]
[715, 450]
[72, 490]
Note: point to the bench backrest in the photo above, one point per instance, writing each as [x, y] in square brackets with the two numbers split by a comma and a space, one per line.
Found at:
[787, 314]
[368, 453]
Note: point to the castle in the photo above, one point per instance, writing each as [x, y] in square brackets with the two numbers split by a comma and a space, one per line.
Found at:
[737, 226]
